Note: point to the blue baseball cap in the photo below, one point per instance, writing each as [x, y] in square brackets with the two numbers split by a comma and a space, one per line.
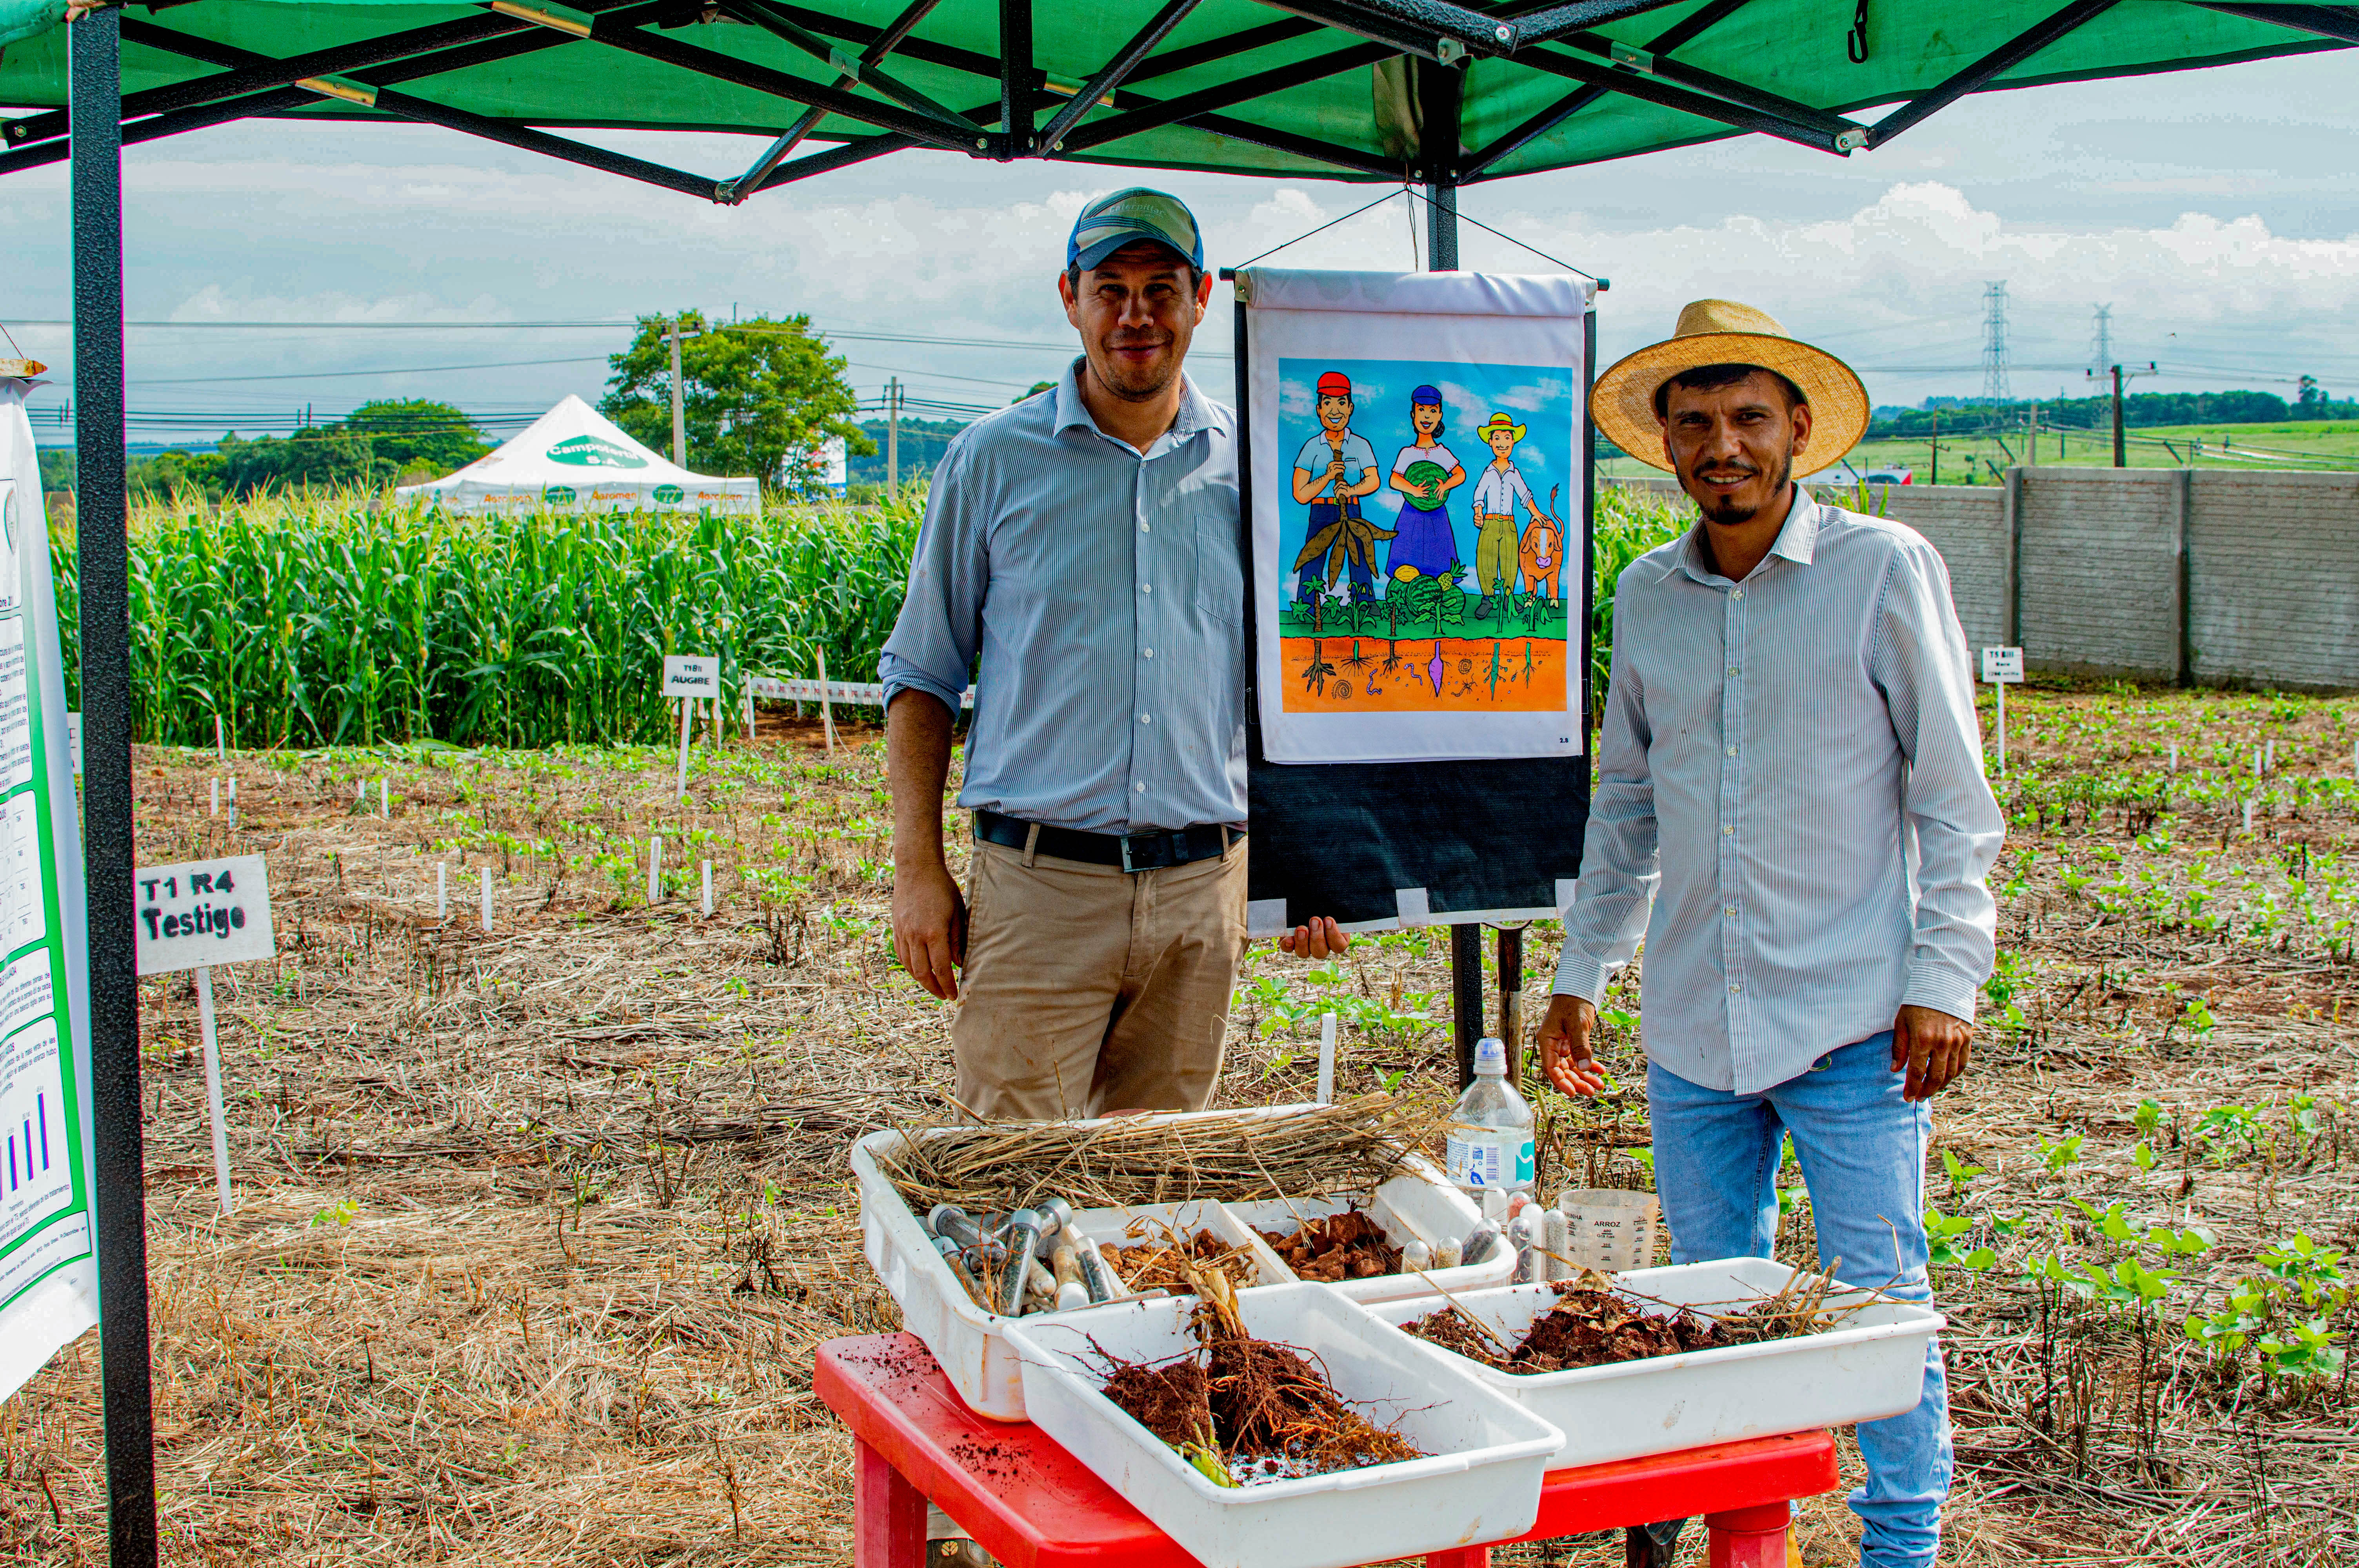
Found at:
[1129, 216]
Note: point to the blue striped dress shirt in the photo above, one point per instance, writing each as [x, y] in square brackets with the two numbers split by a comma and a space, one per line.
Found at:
[1791, 775]
[1104, 591]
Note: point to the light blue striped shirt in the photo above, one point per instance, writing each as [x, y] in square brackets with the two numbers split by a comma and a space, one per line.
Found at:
[1791, 771]
[1104, 591]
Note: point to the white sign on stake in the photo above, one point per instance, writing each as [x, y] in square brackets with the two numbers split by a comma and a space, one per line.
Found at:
[2002, 667]
[690, 678]
[192, 915]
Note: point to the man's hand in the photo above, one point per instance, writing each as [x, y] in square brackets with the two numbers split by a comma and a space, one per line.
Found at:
[1318, 939]
[930, 928]
[1565, 1056]
[1932, 1048]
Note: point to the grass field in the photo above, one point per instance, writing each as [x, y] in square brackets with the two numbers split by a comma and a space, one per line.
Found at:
[537, 1227]
[2302, 444]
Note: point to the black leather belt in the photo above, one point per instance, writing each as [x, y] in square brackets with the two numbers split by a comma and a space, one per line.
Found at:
[1131, 851]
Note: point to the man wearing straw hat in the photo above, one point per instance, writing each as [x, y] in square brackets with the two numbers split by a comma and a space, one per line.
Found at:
[1081, 548]
[1790, 777]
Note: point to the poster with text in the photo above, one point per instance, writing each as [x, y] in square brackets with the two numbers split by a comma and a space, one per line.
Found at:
[1416, 514]
[49, 1268]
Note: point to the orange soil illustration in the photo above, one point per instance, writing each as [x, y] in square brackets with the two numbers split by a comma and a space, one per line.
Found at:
[1423, 675]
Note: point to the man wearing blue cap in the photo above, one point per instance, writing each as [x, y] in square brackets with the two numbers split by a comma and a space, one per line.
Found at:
[1083, 544]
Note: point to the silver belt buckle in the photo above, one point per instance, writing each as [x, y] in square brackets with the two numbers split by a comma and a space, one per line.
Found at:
[1126, 866]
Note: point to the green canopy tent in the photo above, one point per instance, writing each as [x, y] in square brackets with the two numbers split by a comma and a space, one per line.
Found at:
[1425, 91]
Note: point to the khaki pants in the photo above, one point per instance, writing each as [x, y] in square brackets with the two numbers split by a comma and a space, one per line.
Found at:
[1496, 565]
[1088, 989]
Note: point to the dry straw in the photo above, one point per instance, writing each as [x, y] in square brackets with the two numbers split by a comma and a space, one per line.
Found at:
[1122, 1161]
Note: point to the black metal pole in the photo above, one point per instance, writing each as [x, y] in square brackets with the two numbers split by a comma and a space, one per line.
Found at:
[1466, 995]
[1511, 1000]
[94, 46]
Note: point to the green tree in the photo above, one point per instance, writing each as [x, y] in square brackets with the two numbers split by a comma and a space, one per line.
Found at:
[408, 433]
[758, 397]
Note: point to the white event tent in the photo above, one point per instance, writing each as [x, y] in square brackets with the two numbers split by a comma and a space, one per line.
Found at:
[574, 458]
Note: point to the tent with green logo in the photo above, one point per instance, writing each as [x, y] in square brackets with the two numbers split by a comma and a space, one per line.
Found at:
[574, 458]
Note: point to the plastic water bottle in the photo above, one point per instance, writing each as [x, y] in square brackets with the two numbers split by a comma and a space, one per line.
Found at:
[1490, 1138]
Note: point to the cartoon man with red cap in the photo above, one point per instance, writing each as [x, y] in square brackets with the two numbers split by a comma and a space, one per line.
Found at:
[1334, 469]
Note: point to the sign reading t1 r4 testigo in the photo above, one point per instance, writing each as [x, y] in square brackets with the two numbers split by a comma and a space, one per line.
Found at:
[203, 913]
[694, 675]
[2003, 667]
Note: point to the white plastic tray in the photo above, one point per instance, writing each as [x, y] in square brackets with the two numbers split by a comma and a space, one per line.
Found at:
[1871, 1367]
[964, 1338]
[1112, 1226]
[1419, 1202]
[1480, 1480]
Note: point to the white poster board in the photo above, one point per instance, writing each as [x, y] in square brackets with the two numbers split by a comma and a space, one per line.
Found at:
[48, 1265]
[2003, 667]
[1417, 574]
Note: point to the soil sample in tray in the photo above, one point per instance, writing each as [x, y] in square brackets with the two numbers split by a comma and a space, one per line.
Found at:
[1587, 1327]
[1243, 1410]
[1346, 1245]
[1164, 1262]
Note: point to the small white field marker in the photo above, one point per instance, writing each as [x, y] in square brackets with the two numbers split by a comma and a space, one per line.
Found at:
[216, 783]
[708, 889]
[442, 889]
[655, 867]
[488, 900]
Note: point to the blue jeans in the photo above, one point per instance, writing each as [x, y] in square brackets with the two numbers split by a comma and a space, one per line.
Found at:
[1861, 1149]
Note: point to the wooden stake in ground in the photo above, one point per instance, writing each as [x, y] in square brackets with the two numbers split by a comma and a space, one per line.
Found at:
[687, 715]
[213, 1088]
[708, 889]
[216, 807]
[826, 713]
[488, 900]
[441, 891]
[654, 868]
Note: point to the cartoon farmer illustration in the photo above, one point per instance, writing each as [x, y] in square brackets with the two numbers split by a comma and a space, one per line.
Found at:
[1496, 561]
[1333, 472]
[1425, 473]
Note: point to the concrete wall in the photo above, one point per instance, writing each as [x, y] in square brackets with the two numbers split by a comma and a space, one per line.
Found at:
[2158, 574]
[2274, 565]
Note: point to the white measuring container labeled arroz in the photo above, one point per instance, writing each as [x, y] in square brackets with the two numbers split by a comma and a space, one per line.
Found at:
[1419, 1203]
[1147, 1224]
[1871, 1366]
[1480, 1480]
[963, 1337]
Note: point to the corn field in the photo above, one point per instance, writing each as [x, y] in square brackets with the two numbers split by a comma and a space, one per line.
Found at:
[309, 620]
[316, 620]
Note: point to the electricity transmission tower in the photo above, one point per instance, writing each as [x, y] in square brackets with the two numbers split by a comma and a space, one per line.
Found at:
[1994, 387]
[2101, 345]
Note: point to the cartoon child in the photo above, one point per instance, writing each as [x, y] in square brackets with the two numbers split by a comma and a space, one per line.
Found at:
[1425, 473]
[1333, 472]
[1495, 495]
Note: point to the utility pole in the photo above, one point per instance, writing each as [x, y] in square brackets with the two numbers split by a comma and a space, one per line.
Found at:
[1937, 446]
[893, 439]
[679, 419]
[2102, 350]
[2121, 443]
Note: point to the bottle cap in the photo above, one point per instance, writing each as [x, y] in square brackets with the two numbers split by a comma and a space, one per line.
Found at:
[1491, 1055]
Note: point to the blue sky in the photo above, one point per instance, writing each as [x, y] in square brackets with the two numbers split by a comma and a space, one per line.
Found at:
[2213, 210]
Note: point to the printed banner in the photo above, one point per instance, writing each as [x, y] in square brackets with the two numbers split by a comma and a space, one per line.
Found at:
[1417, 513]
[49, 1267]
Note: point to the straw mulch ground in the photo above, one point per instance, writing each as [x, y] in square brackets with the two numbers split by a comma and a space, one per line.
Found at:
[537, 1229]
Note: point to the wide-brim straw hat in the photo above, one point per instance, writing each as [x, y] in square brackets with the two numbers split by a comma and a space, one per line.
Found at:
[1722, 332]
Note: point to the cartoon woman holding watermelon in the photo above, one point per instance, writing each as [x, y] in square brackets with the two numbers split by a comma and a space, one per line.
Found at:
[1425, 473]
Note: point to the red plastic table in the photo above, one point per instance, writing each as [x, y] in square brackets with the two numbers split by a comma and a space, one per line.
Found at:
[1032, 1504]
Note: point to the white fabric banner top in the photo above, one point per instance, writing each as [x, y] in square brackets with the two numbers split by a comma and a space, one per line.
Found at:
[1418, 555]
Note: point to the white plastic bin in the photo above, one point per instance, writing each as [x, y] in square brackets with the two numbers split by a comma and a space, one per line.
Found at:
[1480, 1481]
[1419, 1203]
[1872, 1366]
[963, 1337]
